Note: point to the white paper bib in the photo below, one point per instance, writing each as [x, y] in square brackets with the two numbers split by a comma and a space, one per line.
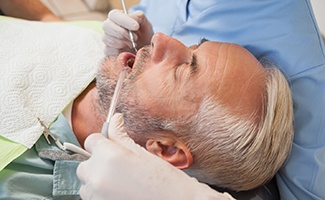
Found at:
[43, 67]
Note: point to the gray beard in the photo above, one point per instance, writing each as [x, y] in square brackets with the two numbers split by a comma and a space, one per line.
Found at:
[137, 119]
[105, 85]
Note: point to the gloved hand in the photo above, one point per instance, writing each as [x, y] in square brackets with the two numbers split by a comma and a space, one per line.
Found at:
[121, 169]
[116, 27]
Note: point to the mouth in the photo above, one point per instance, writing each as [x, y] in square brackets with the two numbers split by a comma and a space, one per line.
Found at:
[126, 59]
[130, 62]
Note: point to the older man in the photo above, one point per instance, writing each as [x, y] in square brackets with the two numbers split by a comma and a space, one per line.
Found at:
[177, 109]
[255, 26]
[201, 110]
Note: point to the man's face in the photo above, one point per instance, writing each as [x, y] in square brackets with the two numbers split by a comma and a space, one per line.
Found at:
[169, 80]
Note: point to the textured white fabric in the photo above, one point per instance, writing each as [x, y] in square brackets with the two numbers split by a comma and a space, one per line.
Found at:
[44, 66]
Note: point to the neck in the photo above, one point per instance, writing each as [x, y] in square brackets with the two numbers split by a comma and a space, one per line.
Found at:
[85, 116]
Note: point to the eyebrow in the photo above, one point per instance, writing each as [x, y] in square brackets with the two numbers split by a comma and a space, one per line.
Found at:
[202, 41]
[194, 64]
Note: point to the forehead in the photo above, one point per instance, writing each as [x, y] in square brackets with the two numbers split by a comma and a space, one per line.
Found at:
[229, 73]
[217, 59]
[220, 53]
[218, 63]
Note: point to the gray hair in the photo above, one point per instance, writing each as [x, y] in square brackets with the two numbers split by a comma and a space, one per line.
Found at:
[236, 152]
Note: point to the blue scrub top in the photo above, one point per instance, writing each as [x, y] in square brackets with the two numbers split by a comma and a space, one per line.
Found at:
[284, 31]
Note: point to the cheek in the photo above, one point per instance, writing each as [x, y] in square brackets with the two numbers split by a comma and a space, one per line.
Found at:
[152, 98]
[154, 84]
[167, 102]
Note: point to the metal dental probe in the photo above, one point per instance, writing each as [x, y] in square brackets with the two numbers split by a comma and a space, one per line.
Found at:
[130, 32]
[115, 97]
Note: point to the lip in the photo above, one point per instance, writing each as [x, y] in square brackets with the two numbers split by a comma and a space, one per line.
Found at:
[123, 59]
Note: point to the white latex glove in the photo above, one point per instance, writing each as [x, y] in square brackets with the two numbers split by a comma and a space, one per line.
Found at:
[116, 27]
[121, 169]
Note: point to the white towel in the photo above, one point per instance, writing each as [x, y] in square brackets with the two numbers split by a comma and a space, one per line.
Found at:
[43, 67]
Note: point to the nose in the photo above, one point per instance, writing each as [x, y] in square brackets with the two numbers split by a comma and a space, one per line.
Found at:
[165, 48]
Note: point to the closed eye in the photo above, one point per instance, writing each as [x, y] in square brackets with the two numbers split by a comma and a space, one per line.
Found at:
[194, 65]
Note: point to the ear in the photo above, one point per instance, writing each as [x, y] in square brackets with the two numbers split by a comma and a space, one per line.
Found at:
[173, 151]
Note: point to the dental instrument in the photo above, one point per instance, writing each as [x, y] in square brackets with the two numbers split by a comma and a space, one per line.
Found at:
[66, 145]
[130, 32]
[47, 133]
[74, 148]
[112, 107]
